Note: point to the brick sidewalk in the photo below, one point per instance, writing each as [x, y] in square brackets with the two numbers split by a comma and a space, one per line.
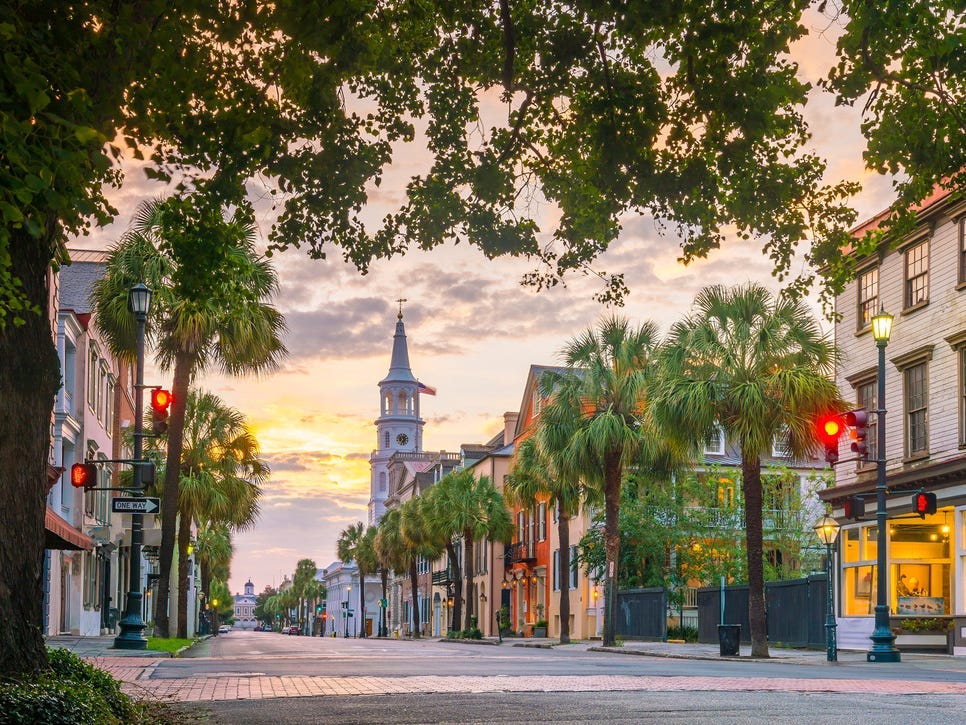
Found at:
[136, 675]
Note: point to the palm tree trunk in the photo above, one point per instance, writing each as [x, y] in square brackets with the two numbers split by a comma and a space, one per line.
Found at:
[414, 585]
[563, 526]
[184, 536]
[362, 602]
[183, 364]
[751, 486]
[29, 379]
[384, 576]
[468, 552]
[612, 543]
[454, 563]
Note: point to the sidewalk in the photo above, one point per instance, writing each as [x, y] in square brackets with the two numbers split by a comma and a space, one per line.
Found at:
[90, 647]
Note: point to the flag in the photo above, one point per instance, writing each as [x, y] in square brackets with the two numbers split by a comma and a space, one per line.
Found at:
[423, 388]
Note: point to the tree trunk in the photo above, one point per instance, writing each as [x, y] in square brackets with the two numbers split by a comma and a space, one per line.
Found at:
[454, 563]
[184, 537]
[414, 584]
[468, 555]
[205, 584]
[612, 543]
[384, 576]
[362, 602]
[751, 486]
[183, 365]
[29, 379]
[563, 527]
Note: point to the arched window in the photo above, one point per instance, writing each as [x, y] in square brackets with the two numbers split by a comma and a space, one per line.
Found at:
[387, 404]
[382, 481]
[404, 404]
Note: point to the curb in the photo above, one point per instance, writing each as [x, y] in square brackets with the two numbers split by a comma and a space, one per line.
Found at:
[535, 645]
[470, 641]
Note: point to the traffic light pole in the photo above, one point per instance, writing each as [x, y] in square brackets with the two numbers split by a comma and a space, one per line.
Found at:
[132, 625]
[883, 649]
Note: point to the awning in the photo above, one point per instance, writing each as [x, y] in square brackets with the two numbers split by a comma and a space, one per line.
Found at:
[59, 534]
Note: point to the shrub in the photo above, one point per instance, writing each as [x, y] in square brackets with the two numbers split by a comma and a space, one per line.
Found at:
[473, 633]
[688, 634]
[540, 623]
[924, 624]
[70, 691]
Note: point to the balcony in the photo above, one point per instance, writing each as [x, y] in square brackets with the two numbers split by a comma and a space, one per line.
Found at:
[519, 553]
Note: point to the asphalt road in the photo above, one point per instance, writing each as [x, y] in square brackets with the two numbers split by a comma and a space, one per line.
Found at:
[269, 653]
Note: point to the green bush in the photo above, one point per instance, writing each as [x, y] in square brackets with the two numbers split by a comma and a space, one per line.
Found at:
[69, 692]
[473, 633]
[688, 634]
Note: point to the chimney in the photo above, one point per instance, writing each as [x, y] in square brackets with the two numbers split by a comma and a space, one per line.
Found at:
[509, 427]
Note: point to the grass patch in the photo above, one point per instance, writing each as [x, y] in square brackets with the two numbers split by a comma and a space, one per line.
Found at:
[171, 644]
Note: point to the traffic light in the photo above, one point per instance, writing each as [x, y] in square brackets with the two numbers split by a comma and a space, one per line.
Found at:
[829, 428]
[858, 421]
[318, 609]
[83, 475]
[854, 507]
[924, 503]
[160, 402]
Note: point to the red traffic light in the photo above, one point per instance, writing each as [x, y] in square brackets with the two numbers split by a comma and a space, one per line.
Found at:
[160, 402]
[160, 399]
[83, 475]
[924, 503]
[854, 507]
[828, 429]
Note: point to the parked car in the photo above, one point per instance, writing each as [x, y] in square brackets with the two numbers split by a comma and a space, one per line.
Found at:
[224, 629]
[294, 629]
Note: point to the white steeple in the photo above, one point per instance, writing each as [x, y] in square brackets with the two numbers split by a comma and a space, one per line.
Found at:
[398, 427]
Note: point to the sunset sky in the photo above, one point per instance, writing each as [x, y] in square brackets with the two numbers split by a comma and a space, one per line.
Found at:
[473, 331]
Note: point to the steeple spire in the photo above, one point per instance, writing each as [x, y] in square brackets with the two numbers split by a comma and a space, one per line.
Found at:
[399, 370]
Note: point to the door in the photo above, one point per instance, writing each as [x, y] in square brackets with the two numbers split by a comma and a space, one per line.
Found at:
[436, 616]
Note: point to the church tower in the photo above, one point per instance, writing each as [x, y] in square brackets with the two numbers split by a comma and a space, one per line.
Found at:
[398, 427]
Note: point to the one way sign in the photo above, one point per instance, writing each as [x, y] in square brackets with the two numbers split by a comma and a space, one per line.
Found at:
[135, 505]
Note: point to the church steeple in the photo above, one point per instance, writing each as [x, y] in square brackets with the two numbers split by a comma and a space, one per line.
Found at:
[399, 370]
[398, 427]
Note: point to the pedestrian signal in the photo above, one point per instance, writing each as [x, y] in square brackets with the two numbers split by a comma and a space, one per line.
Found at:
[924, 503]
[83, 475]
[854, 507]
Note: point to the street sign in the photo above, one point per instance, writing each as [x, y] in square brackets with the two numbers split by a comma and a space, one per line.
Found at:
[135, 505]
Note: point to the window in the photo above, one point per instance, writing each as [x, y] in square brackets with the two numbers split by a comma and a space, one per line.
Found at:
[714, 443]
[868, 297]
[962, 250]
[962, 396]
[542, 521]
[92, 378]
[917, 274]
[916, 401]
[555, 565]
[109, 406]
[779, 444]
[865, 392]
[573, 567]
[101, 390]
[382, 481]
[386, 440]
[521, 526]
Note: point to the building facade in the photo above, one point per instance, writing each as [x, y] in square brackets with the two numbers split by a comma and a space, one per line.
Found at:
[245, 608]
[921, 281]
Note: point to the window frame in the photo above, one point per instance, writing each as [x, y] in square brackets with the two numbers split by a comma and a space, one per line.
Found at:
[870, 406]
[908, 411]
[961, 225]
[720, 451]
[866, 306]
[909, 280]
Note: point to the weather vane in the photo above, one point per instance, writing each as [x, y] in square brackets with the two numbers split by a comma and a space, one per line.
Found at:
[400, 301]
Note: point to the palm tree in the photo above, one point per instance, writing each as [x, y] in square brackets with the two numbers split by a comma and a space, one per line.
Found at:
[214, 550]
[538, 473]
[396, 550]
[386, 543]
[304, 587]
[598, 416]
[472, 508]
[759, 367]
[421, 543]
[355, 543]
[210, 307]
[220, 478]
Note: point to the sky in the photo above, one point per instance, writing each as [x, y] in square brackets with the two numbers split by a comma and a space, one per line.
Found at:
[473, 331]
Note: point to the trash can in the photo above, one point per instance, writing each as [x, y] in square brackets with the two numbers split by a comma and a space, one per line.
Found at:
[729, 639]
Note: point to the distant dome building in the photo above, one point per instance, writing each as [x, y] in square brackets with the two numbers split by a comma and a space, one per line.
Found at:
[245, 608]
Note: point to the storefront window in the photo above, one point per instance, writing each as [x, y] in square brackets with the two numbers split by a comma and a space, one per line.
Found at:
[921, 566]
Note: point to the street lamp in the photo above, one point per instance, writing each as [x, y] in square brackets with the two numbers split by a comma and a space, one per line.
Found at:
[883, 647]
[348, 604]
[827, 530]
[132, 625]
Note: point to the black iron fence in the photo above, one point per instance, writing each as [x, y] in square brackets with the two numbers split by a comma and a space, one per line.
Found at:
[795, 611]
[642, 614]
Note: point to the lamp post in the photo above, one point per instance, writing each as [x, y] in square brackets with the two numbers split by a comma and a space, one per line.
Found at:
[132, 625]
[348, 608]
[827, 530]
[883, 648]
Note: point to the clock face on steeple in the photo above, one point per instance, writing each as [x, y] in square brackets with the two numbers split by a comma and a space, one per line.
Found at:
[402, 439]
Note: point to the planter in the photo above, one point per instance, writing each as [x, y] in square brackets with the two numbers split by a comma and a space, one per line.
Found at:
[539, 631]
[925, 641]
